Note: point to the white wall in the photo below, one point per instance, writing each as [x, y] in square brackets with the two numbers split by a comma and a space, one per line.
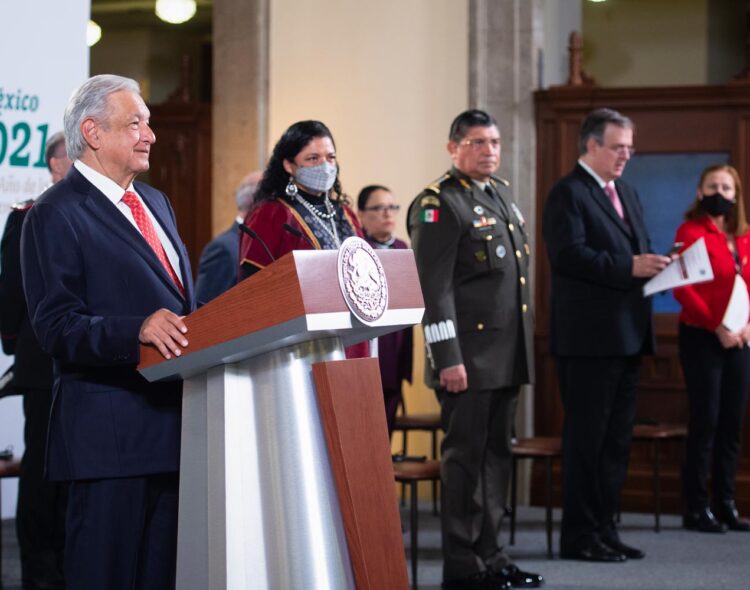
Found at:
[44, 55]
[561, 17]
[387, 77]
[646, 42]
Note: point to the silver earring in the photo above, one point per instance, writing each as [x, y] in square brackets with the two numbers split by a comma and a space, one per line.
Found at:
[291, 189]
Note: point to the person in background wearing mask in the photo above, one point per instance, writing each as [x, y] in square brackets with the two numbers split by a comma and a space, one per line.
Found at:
[219, 263]
[40, 513]
[715, 358]
[377, 211]
[300, 189]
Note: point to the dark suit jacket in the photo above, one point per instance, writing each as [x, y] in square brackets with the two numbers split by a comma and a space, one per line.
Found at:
[32, 368]
[218, 266]
[598, 308]
[472, 256]
[90, 280]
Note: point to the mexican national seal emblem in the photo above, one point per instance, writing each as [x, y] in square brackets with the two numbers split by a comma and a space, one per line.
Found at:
[362, 280]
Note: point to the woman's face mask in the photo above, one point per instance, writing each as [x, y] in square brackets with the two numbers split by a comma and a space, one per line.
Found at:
[318, 179]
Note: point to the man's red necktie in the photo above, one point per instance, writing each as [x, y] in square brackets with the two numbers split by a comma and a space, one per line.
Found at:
[143, 221]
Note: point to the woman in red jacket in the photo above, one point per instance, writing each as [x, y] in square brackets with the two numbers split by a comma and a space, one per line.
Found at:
[715, 360]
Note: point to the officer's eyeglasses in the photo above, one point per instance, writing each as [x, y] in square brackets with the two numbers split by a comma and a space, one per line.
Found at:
[380, 209]
[478, 144]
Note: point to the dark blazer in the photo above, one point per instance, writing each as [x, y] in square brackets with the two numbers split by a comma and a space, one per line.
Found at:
[90, 280]
[218, 266]
[32, 368]
[472, 257]
[597, 307]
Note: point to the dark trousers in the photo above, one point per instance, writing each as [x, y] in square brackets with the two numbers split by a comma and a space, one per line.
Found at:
[717, 381]
[475, 473]
[122, 533]
[392, 399]
[40, 512]
[598, 396]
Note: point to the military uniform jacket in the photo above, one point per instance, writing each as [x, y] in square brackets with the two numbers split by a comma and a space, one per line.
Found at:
[472, 256]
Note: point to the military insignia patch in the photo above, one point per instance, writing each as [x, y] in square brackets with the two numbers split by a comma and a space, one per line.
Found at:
[429, 201]
[430, 215]
[479, 210]
[483, 222]
[518, 213]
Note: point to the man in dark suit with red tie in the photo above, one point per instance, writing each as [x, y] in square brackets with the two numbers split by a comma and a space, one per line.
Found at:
[598, 249]
[105, 271]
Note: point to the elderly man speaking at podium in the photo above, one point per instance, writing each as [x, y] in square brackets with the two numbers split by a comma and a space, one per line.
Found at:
[104, 271]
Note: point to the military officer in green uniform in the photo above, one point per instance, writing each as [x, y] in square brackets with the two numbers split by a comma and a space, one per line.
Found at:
[472, 254]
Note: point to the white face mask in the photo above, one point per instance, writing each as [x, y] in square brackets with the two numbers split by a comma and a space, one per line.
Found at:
[318, 178]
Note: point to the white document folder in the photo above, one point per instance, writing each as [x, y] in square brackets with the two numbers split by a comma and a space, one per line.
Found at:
[690, 267]
[738, 308]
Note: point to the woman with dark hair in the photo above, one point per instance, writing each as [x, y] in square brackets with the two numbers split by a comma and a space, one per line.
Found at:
[715, 358]
[377, 210]
[300, 188]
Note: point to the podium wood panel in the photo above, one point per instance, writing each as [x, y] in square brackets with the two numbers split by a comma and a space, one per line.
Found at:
[279, 303]
[351, 407]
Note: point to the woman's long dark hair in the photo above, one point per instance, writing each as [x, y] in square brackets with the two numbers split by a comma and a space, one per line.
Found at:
[292, 142]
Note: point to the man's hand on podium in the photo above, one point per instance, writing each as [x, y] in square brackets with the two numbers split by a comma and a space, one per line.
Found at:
[165, 330]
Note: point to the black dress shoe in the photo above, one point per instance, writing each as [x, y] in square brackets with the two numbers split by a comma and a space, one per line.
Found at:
[594, 551]
[726, 513]
[703, 521]
[517, 578]
[478, 581]
[626, 550]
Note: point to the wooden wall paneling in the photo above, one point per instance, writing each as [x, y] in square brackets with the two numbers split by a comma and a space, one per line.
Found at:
[181, 167]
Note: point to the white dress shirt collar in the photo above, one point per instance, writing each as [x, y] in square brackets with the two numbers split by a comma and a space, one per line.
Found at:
[594, 175]
[113, 191]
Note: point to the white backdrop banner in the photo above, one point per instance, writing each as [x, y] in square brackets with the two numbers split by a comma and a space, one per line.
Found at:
[43, 58]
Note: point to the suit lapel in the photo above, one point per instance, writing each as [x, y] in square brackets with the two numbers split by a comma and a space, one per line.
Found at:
[633, 212]
[476, 193]
[115, 222]
[157, 205]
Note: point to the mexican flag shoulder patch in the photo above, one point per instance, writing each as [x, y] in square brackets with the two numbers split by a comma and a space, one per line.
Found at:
[430, 215]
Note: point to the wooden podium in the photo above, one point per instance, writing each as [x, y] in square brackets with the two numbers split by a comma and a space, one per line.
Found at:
[285, 475]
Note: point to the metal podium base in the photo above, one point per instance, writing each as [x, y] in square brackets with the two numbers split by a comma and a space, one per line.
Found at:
[257, 494]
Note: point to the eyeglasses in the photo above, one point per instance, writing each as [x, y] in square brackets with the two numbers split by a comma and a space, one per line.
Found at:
[380, 209]
[478, 144]
[622, 150]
